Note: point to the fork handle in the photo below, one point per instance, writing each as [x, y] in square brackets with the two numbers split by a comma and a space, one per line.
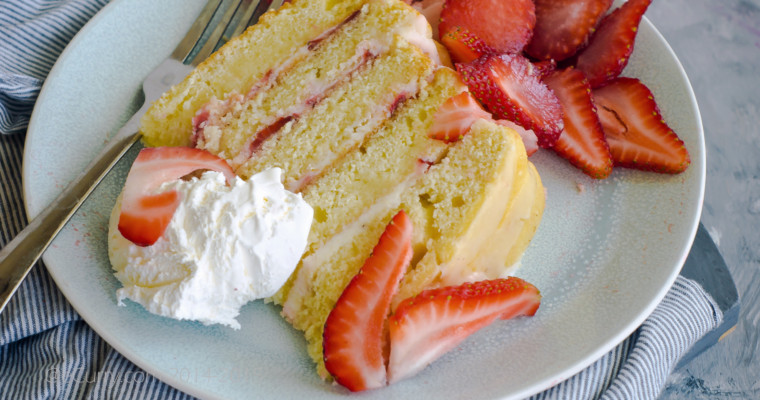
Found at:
[20, 254]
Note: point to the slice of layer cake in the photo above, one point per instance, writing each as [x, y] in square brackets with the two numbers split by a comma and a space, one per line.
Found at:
[340, 95]
[320, 42]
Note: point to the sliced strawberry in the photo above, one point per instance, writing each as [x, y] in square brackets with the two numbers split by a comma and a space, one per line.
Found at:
[564, 26]
[354, 334]
[454, 117]
[435, 321]
[638, 136]
[544, 68]
[612, 44]
[505, 26]
[529, 139]
[611, 123]
[582, 142]
[463, 46]
[145, 214]
[509, 86]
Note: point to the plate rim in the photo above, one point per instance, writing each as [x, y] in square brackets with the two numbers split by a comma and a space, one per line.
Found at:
[109, 338]
[600, 351]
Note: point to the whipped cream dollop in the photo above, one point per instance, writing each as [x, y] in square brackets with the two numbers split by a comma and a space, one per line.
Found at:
[225, 246]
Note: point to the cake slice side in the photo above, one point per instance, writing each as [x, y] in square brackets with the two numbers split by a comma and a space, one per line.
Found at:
[367, 185]
[343, 102]
[479, 169]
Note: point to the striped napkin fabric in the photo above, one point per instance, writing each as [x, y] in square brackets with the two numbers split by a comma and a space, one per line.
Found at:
[48, 351]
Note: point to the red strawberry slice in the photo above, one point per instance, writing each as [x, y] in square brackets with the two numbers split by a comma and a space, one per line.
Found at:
[145, 214]
[463, 46]
[638, 136]
[435, 321]
[354, 334]
[564, 26]
[582, 142]
[544, 68]
[529, 139]
[455, 116]
[505, 26]
[610, 122]
[509, 86]
[612, 43]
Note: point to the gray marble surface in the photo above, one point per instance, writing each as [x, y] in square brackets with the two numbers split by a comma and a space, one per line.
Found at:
[718, 43]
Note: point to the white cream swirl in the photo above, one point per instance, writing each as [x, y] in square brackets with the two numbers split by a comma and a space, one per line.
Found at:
[225, 246]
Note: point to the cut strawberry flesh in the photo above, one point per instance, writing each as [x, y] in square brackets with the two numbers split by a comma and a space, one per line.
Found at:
[510, 88]
[145, 214]
[355, 336]
[463, 46]
[435, 321]
[505, 26]
[455, 116]
[564, 26]
[612, 124]
[611, 45]
[636, 132]
[544, 68]
[582, 142]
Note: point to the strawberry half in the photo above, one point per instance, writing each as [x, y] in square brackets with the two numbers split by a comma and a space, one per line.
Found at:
[509, 86]
[638, 136]
[145, 214]
[505, 26]
[582, 142]
[612, 44]
[435, 321]
[354, 336]
[463, 46]
[564, 26]
[455, 116]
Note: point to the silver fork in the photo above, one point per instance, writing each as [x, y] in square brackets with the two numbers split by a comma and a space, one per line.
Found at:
[219, 21]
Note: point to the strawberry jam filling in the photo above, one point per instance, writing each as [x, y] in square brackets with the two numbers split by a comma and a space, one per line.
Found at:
[212, 113]
[257, 140]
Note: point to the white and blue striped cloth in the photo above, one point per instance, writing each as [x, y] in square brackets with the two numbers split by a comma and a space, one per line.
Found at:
[48, 352]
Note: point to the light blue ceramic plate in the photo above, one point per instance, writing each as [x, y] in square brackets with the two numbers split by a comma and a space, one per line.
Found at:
[604, 256]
